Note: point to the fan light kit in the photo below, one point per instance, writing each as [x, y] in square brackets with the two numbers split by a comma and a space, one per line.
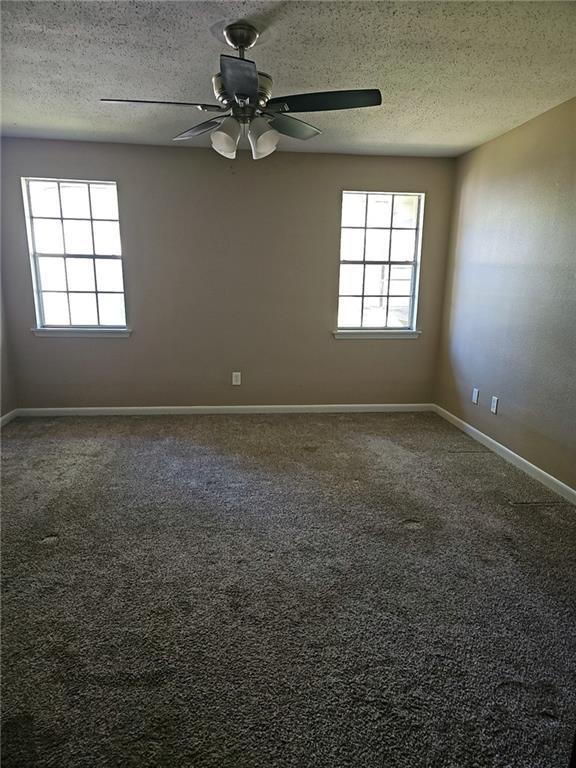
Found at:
[246, 107]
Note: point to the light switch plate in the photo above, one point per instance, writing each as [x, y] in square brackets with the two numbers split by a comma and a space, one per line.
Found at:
[236, 378]
[475, 395]
[494, 404]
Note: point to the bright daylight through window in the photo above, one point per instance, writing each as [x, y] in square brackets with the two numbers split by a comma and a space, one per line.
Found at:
[76, 256]
[379, 260]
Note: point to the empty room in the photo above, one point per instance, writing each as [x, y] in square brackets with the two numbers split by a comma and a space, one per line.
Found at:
[288, 384]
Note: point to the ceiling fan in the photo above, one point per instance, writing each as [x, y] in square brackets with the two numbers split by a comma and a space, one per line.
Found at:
[245, 103]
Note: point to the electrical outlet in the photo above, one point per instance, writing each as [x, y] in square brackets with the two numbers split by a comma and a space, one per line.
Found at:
[494, 404]
[236, 378]
[475, 395]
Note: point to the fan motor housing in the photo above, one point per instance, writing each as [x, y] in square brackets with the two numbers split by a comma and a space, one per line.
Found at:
[264, 90]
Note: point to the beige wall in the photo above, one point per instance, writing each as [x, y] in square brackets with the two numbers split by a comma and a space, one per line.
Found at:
[7, 389]
[228, 266]
[510, 315]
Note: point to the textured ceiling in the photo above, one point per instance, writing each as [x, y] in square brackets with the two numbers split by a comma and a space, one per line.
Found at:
[452, 74]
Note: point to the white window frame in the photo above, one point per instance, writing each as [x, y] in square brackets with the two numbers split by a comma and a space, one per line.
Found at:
[412, 331]
[41, 328]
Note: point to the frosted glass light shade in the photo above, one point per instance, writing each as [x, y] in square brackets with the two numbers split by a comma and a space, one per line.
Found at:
[225, 138]
[263, 139]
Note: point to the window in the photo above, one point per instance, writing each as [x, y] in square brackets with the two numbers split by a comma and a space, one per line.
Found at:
[379, 260]
[76, 255]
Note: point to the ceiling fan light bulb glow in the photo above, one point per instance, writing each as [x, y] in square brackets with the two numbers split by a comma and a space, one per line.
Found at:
[226, 137]
[263, 139]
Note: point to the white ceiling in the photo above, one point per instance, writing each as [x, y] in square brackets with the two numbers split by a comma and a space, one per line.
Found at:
[452, 74]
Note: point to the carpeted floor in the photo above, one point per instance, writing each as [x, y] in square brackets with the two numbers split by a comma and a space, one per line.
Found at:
[273, 591]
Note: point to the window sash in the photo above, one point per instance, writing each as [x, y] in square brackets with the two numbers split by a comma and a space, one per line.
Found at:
[389, 262]
[35, 255]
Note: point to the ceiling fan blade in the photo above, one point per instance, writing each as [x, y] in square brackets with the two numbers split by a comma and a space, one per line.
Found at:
[239, 77]
[326, 100]
[291, 126]
[197, 130]
[204, 107]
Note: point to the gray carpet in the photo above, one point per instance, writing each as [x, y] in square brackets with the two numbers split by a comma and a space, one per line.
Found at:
[251, 591]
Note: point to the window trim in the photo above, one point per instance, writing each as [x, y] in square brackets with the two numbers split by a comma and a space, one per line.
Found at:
[375, 333]
[88, 331]
[413, 331]
[41, 329]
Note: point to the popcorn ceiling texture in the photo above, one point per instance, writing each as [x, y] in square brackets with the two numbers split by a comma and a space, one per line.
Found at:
[452, 75]
[304, 591]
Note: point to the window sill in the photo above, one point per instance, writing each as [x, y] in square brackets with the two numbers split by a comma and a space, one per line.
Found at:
[366, 334]
[112, 333]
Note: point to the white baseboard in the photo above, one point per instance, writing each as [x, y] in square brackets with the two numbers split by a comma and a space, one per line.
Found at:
[183, 410]
[543, 477]
[7, 417]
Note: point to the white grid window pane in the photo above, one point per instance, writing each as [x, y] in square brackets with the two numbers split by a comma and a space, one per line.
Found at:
[349, 312]
[353, 209]
[55, 309]
[80, 275]
[44, 198]
[377, 244]
[52, 273]
[75, 251]
[104, 201]
[351, 278]
[379, 210]
[75, 201]
[111, 309]
[376, 280]
[109, 275]
[107, 238]
[352, 245]
[405, 211]
[379, 259]
[403, 246]
[374, 315]
[83, 309]
[48, 235]
[78, 236]
[400, 281]
[398, 312]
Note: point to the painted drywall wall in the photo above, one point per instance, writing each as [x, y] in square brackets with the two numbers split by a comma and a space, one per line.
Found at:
[510, 314]
[229, 265]
[7, 389]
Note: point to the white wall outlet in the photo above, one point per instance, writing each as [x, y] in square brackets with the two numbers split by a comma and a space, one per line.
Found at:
[475, 395]
[236, 378]
[494, 404]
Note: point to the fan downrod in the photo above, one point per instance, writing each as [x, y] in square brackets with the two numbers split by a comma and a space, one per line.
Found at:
[240, 36]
